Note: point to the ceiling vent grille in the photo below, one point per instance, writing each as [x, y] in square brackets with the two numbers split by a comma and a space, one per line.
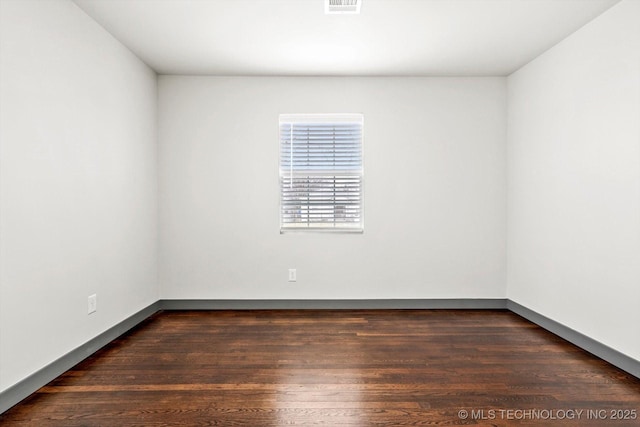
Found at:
[342, 6]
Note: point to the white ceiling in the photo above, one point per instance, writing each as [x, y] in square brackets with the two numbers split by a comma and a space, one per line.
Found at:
[295, 37]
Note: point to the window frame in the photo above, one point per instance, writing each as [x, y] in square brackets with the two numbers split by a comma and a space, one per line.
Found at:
[324, 118]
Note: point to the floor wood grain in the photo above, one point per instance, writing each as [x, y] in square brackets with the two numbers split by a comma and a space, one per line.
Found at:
[336, 368]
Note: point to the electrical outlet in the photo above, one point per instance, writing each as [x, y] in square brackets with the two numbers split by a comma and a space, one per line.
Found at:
[93, 303]
[292, 274]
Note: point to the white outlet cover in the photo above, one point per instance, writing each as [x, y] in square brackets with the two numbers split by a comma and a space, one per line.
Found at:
[92, 303]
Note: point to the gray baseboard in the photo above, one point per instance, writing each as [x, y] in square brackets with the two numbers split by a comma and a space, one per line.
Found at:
[33, 382]
[330, 304]
[594, 347]
[29, 385]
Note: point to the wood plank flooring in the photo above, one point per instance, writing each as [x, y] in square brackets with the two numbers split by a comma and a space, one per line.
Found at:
[336, 368]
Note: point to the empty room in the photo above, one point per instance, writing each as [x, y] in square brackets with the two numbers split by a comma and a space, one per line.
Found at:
[319, 212]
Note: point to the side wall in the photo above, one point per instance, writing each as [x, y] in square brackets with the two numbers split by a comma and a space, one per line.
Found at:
[435, 190]
[78, 183]
[574, 181]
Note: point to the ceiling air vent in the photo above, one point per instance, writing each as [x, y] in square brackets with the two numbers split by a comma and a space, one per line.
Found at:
[342, 6]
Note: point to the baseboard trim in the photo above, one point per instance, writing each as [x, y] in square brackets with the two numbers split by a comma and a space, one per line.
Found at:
[586, 343]
[31, 384]
[331, 304]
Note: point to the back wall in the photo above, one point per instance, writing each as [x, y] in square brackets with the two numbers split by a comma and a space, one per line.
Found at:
[434, 190]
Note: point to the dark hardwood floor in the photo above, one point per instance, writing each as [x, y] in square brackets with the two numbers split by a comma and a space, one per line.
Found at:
[336, 368]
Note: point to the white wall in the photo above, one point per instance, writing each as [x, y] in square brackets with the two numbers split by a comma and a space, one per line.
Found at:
[574, 181]
[78, 183]
[435, 189]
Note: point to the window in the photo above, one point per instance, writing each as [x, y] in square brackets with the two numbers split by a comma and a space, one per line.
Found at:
[321, 172]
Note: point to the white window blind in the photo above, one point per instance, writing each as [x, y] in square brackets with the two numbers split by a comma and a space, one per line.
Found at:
[321, 172]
